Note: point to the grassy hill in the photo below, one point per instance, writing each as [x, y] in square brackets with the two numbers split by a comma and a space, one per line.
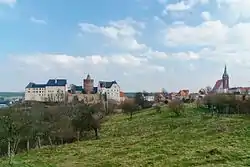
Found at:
[151, 139]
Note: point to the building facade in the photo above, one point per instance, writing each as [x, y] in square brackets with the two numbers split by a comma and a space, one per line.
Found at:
[88, 85]
[54, 90]
[111, 89]
[222, 85]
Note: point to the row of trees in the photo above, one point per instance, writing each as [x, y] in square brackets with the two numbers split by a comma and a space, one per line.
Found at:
[23, 128]
[226, 104]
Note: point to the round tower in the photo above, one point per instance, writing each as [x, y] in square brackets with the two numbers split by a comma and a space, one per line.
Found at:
[88, 84]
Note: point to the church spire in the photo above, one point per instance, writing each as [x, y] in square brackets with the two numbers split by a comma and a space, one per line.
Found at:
[225, 79]
[225, 70]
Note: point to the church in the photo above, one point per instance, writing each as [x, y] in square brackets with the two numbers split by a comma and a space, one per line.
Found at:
[222, 85]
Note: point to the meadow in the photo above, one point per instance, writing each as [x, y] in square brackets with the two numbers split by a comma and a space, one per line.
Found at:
[194, 138]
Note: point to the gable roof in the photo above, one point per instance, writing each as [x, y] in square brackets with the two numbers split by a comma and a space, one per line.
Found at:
[51, 82]
[78, 88]
[105, 84]
[56, 82]
[33, 85]
[217, 85]
[185, 91]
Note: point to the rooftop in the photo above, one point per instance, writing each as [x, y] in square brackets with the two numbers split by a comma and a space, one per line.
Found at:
[106, 84]
[51, 82]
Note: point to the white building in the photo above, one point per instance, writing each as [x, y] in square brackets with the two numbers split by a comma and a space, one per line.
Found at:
[149, 98]
[112, 89]
[53, 90]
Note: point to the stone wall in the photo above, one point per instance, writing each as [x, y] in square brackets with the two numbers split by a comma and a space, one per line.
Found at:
[86, 98]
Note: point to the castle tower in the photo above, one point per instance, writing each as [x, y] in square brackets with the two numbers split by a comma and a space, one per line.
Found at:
[225, 79]
[88, 84]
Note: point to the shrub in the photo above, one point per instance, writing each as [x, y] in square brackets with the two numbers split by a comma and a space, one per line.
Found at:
[130, 107]
[227, 104]
[176, 106]
[147, 104]
[157, 107]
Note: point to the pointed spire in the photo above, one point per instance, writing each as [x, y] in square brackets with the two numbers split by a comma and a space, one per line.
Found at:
[225, 70]
[88, 76]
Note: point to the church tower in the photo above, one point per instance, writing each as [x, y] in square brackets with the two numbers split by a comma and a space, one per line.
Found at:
[225, 79]
[88, 84]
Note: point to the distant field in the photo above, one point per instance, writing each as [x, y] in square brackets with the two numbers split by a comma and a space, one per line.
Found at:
[150, 139]
[11, 94]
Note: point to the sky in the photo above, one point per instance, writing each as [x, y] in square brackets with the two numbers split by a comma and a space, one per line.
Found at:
[142, 44]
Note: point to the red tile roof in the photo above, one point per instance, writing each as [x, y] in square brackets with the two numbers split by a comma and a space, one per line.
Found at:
[217, 84]
[122, 94]
[245, 88]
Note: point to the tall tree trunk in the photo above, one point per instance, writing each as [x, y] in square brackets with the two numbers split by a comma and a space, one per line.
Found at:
[39, 141]
[28, 145]
[9, 148]
[50, 141]
[15, 146]
[96, 133]
[78, 135]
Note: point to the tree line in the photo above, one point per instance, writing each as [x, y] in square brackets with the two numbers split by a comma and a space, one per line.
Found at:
[33, 125]
[25, 127]
[225, 103]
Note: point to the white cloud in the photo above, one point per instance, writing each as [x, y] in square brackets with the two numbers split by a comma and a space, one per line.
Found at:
[37, 21]
[102, 67]
[239, 8]
[210, 33]
[183, 5]
[186, 55]
[8, 2]
[206, 16]
[121, 33]
[213, 41]
[180, 6]
[207, 33]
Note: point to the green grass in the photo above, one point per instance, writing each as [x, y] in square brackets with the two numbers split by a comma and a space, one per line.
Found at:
[151, 139]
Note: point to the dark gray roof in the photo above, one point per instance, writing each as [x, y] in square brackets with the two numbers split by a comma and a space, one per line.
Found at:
[105, 84]
[33, 85]
[56, 82]
[79, 88]
[51, 82]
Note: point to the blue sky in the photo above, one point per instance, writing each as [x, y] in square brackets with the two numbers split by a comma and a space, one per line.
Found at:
[143, 44]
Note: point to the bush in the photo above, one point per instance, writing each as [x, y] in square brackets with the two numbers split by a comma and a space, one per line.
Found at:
[147, 104]
[227, 104]
[130, 107]
[157, 107]
[176, 106]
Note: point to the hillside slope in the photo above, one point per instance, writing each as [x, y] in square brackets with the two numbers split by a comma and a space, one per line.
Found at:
[152, 139]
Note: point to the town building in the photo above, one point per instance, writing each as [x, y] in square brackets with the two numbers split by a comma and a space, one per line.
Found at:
[239, 90]
[148, 96]
[88, 85]
[222, 85]
[86, 88]
[111, 89]
[183, 94]
[53, 90]
[123, 97]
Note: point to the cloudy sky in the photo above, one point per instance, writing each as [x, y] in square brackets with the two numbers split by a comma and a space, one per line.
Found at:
[142, 44]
